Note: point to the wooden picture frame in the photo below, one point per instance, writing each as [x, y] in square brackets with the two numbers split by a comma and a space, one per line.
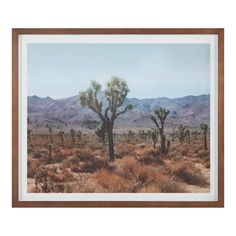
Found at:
[16, 138]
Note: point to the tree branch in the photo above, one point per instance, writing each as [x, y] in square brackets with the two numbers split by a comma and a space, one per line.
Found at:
[155, 121]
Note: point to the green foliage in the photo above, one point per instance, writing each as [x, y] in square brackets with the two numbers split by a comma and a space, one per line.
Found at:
[101, 132]
[204, 127]
[154, 136]
[130, 135]
[173, 135]
[142, 134]
[195, 133]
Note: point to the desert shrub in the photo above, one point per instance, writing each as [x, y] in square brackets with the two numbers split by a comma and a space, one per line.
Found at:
[42, 180]
[32, 167]
[150, 158]
[111, 182]
[188, 173]
[85, 154]
[124, 149]
[92, 166]
[203, 153]
[37, 155]
[49, 179]
[85, 163]
[59, 156]
[167, 184]
[141, 176]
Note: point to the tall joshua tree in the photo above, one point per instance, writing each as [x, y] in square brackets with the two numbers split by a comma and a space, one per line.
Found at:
[50, 145]
[50, 131]
[161, 114]
[204, 128]
[115, 93]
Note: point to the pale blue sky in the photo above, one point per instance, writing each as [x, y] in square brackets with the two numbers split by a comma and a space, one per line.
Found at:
[151, 70]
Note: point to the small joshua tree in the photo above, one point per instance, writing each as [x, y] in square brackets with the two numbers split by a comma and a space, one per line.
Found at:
[154, 136]
[195, 133]
[187, 135]
[50, 131]
[50, 145]
[161, 114]
[101, 132]
[61, 134]
[115, 93]
[173, 135]
[142, 134]
[181, 132]
[79, 135]
[29, 131]
[204, 128]
[72, 135]
[130, 135]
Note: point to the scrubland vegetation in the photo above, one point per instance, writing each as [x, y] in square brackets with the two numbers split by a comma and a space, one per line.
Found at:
[106, 159]
[81, 164]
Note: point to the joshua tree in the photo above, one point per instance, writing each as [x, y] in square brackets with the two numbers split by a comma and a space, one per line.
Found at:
[29, 131]
[142, 134]
[130, 135]
[115, 93]
[187, 135]
[204, 128]
[181, 132]
[195, 133]
[161, 113]
[167, 145]
[50, 131]
[79, 135]
[101, 132]
[72, 134]
[154, 135]
[61, 134]
[50, 145]
[173, 135]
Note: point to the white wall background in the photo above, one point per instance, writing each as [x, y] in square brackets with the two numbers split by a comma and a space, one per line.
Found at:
[122, 13]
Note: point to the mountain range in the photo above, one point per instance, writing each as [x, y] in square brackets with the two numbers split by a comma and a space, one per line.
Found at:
[68, 112]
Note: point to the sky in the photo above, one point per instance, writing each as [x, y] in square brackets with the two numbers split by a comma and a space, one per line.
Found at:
[150, 70]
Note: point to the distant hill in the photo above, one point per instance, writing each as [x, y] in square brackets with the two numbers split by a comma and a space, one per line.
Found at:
[67, 112]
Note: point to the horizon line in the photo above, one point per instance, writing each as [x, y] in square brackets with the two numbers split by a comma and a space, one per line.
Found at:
[189, 95]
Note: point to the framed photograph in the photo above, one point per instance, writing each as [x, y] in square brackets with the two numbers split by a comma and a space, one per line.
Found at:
[118, 118]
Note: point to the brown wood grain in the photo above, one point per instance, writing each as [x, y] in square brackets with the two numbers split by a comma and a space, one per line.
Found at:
[15, 117]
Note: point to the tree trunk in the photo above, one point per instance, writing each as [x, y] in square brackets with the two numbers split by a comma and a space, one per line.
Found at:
[51, 137]
[111, 144]
[163, 144]
[50, 151]
[205, 142]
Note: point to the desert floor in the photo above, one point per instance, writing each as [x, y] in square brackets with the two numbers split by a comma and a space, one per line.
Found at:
[82, 166]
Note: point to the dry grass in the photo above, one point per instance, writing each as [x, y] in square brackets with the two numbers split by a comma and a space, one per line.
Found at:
[83, 167]
[187, 172]
[139, 177]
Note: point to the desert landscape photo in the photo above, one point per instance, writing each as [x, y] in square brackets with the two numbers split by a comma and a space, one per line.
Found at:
[118, 118]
